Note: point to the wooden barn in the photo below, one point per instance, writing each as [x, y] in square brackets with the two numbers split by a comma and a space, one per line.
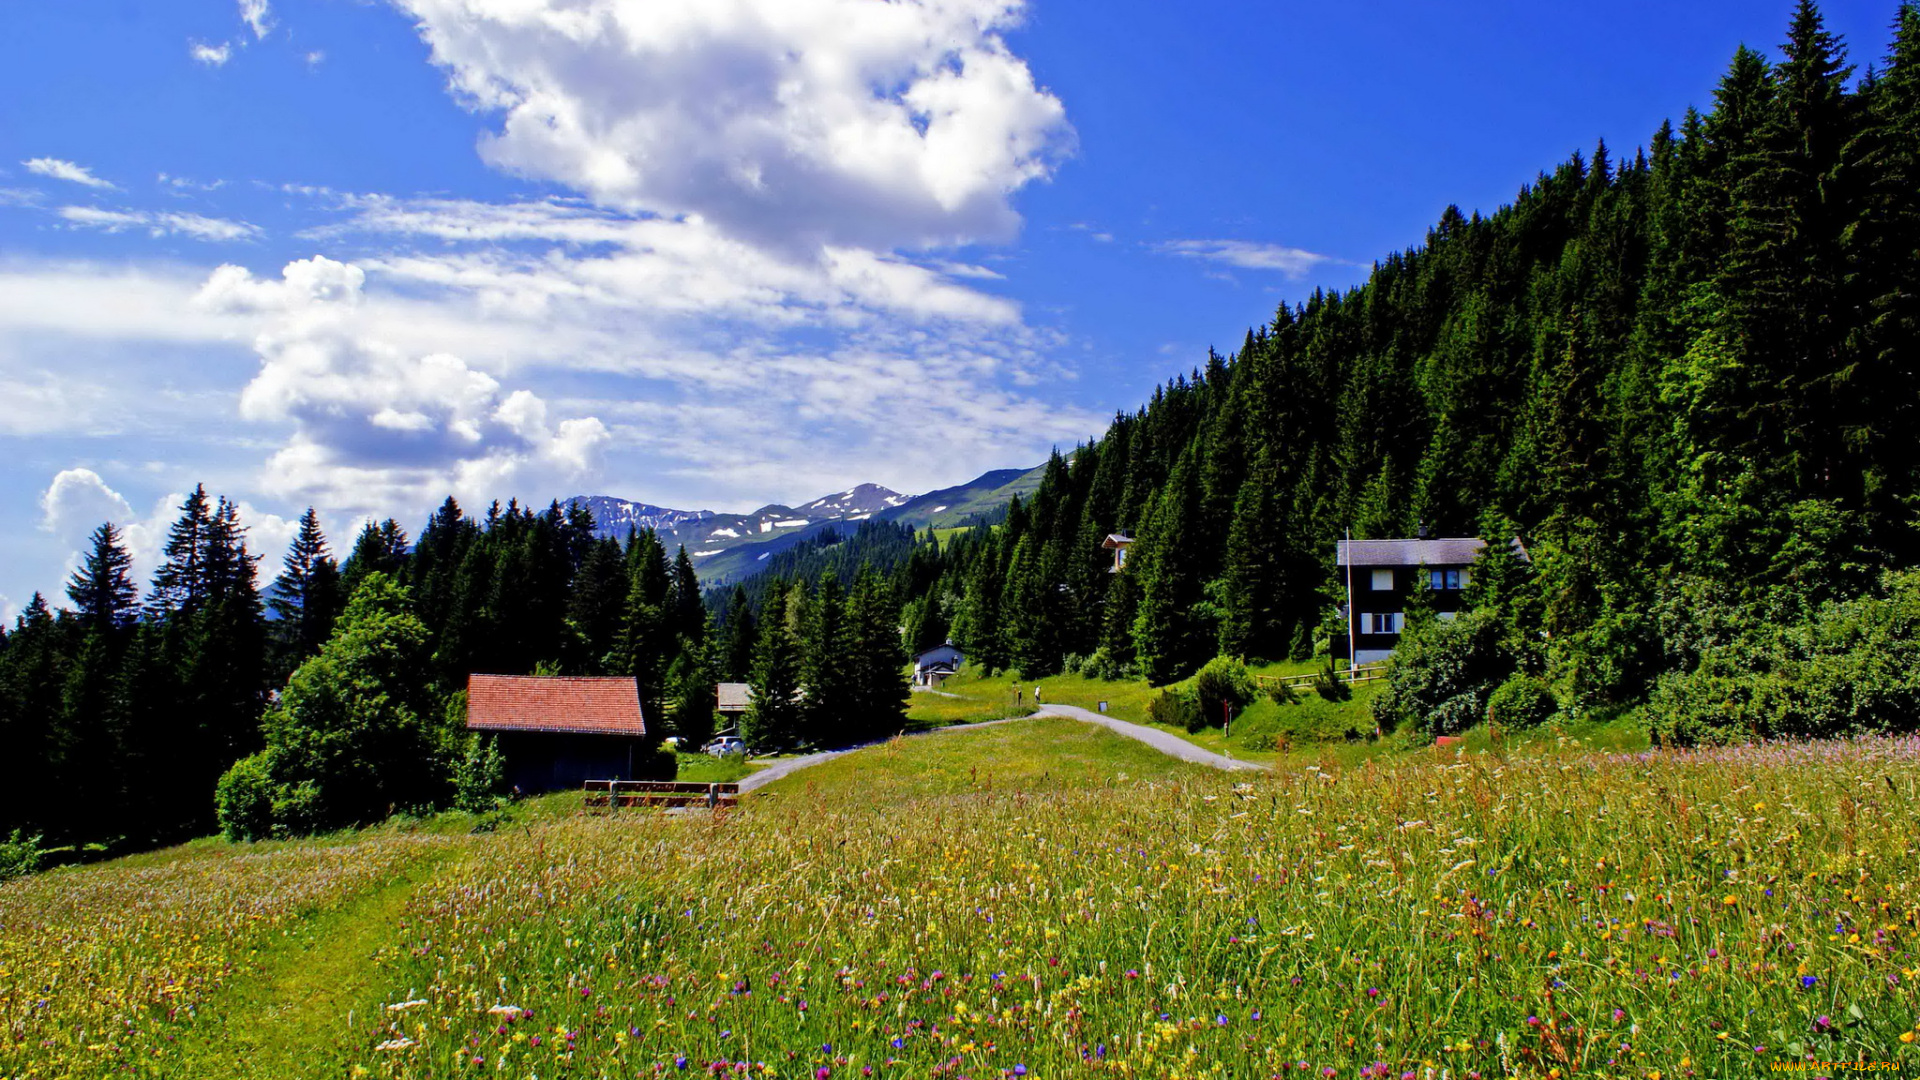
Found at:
[560, 731]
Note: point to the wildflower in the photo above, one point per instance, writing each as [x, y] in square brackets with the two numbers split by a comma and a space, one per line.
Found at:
[680, 1061]
[1019, 1070]
[1807, 982]
[822, 1073]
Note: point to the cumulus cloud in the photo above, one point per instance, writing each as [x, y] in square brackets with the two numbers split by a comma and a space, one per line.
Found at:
[793, 123]
[78, 500]
[193, 226]
[1246, 255]
[210, 55]
[57, 169]
[256, 15]
[375, 427]
[9, 611]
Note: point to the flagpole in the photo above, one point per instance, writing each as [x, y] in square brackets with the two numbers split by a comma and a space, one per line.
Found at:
[1353, 657]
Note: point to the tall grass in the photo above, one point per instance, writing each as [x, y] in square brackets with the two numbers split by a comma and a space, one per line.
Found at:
[1045, 899]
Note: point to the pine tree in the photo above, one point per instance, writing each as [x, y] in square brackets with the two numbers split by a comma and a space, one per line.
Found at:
[1168, 637]
[306, 595]
[825, 666]
[773, 721]
[741, 635]
[181, 582]
[879, 680]
[102, 590]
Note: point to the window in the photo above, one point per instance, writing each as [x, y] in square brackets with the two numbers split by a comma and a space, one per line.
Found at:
[1384, 622]
[1383, 581]
[1446, 580]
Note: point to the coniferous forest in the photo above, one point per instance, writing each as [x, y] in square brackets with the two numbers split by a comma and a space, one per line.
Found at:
[1685, 377]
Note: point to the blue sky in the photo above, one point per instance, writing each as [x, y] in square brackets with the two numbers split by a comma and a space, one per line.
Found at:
[715, 253]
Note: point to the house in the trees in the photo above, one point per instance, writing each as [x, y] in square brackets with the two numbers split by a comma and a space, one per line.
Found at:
[1118, 543]
[733, 697]
[935, 666]
[557, 732]
[1380, 576]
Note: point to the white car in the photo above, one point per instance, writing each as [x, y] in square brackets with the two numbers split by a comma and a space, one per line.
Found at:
[727, 744]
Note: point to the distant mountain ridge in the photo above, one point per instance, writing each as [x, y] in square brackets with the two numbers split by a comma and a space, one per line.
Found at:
[728, 547]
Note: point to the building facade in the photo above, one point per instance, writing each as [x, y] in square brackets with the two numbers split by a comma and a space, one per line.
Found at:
[1380, 577]
[559, 732]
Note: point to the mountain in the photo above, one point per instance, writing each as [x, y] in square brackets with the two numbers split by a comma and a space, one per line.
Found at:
[728, 547]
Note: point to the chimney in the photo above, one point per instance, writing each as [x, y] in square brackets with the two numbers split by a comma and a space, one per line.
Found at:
[1423, 532]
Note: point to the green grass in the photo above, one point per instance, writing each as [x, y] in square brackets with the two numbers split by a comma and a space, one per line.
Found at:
[707, 769]
[1039, 893]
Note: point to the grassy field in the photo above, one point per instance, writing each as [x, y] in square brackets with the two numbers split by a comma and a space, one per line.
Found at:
[1036, 899]
[1312, 730]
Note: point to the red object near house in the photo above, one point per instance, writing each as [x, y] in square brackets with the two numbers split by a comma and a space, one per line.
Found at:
[560, 731]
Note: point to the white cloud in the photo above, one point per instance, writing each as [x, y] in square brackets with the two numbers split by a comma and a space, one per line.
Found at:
[193, 226]
[375, 428]
[55, 168]
[210, 55]
[77, 501]
[255, 14]
[316, 58]
[1246, 255]
[792, 123]
[9, 611]
[182, 183]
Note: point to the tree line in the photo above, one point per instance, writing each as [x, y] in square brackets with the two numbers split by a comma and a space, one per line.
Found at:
[1686, 377]
[339, 688]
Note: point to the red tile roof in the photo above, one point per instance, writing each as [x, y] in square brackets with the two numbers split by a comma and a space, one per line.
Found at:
[573, 705]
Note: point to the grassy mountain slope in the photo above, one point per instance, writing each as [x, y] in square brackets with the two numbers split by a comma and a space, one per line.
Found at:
[1029, 898]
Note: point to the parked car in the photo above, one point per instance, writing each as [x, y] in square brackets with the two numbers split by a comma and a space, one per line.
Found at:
[727, 744]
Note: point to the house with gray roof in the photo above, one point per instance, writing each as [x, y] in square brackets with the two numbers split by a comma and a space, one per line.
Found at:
[1380, 576]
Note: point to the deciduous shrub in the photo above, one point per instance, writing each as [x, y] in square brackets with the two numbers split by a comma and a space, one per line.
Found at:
[20, 855]
[1442, 673]
[243, 801]
[356, 734]
[1177, 708]
[1522, 701]
[1223, 688]
[1852, 667]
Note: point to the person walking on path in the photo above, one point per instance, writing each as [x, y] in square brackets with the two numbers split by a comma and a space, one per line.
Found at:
[1036, 694]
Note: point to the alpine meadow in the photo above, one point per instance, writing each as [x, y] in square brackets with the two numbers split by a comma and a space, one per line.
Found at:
[1505, 666]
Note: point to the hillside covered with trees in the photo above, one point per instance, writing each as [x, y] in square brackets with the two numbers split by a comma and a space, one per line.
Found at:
[1686, 377]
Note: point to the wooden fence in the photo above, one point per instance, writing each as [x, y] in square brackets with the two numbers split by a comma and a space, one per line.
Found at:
[614, 794]
[1363, 673]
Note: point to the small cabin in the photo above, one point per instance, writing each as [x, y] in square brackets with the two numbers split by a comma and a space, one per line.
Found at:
[1380, 576]
[558, 731]
[935, 666]
[1118, 543]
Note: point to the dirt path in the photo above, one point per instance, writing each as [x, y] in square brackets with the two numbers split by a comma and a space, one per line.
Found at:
[314, 993]
[1171, 745]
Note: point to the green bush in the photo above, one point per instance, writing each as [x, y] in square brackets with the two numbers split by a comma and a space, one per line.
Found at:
[1175, 708]
[1222, 688]
[21, 855]
[481, 776]
[243, 800]
[1328, 684]
[1442, 673]
[1522, 701]
[1851, 668]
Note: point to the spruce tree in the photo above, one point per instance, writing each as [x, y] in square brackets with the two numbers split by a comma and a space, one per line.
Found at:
[741, 635]
[306, 596]
[102, 590]
[773, 721]
[825, 666]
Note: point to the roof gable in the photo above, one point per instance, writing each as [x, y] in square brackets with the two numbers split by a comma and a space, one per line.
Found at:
[562, 704]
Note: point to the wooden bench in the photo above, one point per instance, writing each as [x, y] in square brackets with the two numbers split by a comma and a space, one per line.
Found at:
[613, 794]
